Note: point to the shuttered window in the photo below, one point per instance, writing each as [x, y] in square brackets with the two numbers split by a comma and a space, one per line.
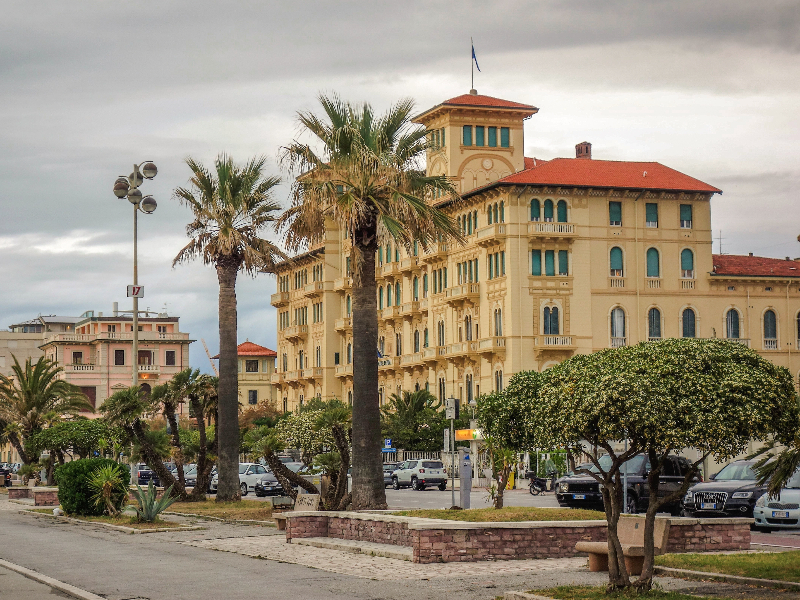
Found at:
[687, 261]
[479, 138]
[548, 211]
[536, 262]
[686, 216]
[561, 211]
[615, 213]
[549, 263]
[492, 131]
[467, 135]
[504, 137]
[651, 214]
[615, 262]
[732, 324]
[563, 262]
[653, 269]
[654, 323]
[770, 326]
[535, 210]
[443, 130]
[689, 323]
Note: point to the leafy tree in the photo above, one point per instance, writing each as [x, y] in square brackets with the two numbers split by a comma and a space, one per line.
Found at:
[711, 395]
[35, 397]
[231, 205]
[414, 421]
[109, 489]
[367, 182]
[299, 430]
[81, 438]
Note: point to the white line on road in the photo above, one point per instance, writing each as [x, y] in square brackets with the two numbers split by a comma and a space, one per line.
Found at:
[49, 581]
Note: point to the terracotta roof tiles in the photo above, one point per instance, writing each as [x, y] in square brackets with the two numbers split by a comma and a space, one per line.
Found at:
[480, 100]
[754, 266]
[248, 348]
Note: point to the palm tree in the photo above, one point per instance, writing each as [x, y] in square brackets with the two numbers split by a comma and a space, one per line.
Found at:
[35, 397]
[231, 207]
[367, 181]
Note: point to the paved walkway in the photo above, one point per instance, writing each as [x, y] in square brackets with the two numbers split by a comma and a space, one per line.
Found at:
[16, 586]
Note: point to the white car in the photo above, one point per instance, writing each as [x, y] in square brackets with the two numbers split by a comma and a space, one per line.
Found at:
[782, 512]
[418, 474]
[249, 475]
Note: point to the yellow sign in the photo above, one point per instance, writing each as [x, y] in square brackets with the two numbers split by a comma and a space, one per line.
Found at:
[467, 435]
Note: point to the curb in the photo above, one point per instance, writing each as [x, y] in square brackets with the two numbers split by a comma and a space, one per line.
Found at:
[523, 596]
[223, 520]
[49, 581]
[703, 575]
[130, 530]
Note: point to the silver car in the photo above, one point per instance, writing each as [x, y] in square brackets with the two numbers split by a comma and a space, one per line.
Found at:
[782, 512]
[249, 475]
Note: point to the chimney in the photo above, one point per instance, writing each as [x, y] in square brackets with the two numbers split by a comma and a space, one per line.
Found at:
[749, 254]
[583, 150]
[115, 309]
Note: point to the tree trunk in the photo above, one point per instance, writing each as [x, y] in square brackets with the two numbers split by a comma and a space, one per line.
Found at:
[645, 581]
[204, 466]
[342, 445]
[15, 441]
[368, 489]
[155, 463]
[228, 403]
[618, 577]
[286, 477]
[169, 413]
[502, 482]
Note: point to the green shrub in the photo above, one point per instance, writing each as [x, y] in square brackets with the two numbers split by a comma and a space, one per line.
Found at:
[149, 505]
[74, 492]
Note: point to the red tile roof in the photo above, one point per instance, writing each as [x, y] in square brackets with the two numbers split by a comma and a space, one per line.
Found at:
[754, 266]
[532, 163]
[585, 172]
[485, 101]
[250, 349]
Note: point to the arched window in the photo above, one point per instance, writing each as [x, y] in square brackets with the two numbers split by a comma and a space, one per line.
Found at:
[496, 214]
[389, 294]
[489, 219]
[536, 214]
[687, 264]
[561, 211]
[468, 327]
[319, 356]
[732, 324]
[615, 262]
[653, 267]
[502, 212]
[654, 324]
[551, 320]
[416, 288]
[468, 385]
[398, 344]
[416, 340]
[441, 333]
[398, 294]
[349, 354]
[770, 331]
[617, 328]
[498, 322]
[689, 326]
[349, 304]
[425, 285]
[498, 381]
[548, 211]
[425, 338]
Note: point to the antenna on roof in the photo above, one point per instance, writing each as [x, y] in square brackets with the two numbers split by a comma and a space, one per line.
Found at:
[719, 239]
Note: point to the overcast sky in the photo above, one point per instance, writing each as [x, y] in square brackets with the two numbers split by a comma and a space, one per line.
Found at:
[87, 88]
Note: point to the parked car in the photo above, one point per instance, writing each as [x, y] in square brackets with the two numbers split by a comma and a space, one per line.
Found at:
[268, 485]
[144, 475]
[419, 474]
[189, 475]
[583, 491]
[782, 512]
[388, 469]
[732, 492]
[249, 474]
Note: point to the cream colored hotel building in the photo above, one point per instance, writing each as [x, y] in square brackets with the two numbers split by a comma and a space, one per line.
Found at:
[564, 256]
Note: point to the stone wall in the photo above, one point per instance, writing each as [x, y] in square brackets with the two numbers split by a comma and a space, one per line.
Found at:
[708, 535]
[17, 493]
[380, 532]
[45, 498]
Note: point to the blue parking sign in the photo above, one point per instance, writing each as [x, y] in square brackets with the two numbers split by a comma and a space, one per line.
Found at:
[387, 443]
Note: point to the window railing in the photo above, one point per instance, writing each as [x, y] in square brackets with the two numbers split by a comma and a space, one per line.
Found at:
[616, 273]
[687, 273]
[686, 224]
[653, 282]
[619, 342]
[651, 224]
[615, 223]
[616, 282]
[770, 344]
[557, 340]
[687, 284]
[654, 338]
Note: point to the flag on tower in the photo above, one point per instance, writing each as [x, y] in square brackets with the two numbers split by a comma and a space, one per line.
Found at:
[475, 58]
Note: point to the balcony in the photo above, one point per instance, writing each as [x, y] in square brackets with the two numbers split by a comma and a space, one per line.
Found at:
[491, 235]
[653, 283]
[296, 332]
[687, 284]
[279, 299]
[432, 354]
[390, 312]
[437, 252]
[276, 378]
[619, 342]
[314, 289]
[291, 376]
[616, 282]
[144, 336]
[492, 345]
[78, 368]
[742, 341]
[149, 368]
[388, 363]
[344, 370]
[312, 373]
[551, 230]
[345, 324]
[770, 344]
[424, 304]
[342, 284]
[409, 264]
[462, 349]
[389, 269]
[461, 293]
[411, 360]
[409, 309]
[556, 342]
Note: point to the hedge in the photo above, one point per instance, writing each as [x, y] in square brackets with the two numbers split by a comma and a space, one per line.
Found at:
[74, 494]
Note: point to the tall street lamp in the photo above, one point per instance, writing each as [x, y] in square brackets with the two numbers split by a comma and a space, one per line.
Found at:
[129, 187]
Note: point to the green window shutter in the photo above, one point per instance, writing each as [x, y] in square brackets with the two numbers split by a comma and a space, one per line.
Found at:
[535, 210]
[436, 136]
[561, 211]
[469, 268]
[654, 323]
[489, 215]
[398, 294]
[689, 323]
[475, 220]
[416, 288]
[615, 259]
[458, 267]
[492, 137]
[536, 262]
[549, 263]
[389, 295]
[686, 212]
[504, 137]
[496, 217]
[467, 139]
[443, 130]
[502, 212]
[425, 285]
[396, 254]
[732, 324]
[503, 262]
[380, 298]
[770, 326]
[652, 263]
[445, 278]
[651, 212]
[615, 213]
[563, 262]
[479, 139]
[687, 260]
[497, 264]
[476, 270]
[548, 210]
[380, 255]
[491, 269]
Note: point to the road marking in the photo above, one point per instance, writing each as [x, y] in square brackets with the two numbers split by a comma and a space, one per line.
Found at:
[49, 581]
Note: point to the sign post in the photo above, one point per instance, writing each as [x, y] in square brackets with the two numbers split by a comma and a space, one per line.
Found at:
[465, 476]
[451, 412]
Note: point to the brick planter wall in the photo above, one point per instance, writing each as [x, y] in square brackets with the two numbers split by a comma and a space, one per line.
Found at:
[310, 525]
[381, 532]
[17, 493]
[45, 498]
[708, 535]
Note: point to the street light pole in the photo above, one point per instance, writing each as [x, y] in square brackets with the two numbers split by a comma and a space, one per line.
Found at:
[129, 187]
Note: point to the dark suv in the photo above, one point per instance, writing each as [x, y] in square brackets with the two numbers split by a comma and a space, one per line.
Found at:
[581, 491]
[730, 493]
[5, 476]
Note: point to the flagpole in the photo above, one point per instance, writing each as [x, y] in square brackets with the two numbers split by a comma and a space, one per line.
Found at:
[472, 63]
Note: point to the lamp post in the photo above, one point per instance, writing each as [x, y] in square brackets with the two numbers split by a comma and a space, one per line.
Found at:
[129, 187]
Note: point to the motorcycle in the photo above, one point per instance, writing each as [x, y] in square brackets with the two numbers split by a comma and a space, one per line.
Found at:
[538, 485]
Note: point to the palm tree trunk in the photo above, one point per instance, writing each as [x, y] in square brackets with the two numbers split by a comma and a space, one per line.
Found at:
[17, 443]
[368, 488]
[228, 430]
[169, 413]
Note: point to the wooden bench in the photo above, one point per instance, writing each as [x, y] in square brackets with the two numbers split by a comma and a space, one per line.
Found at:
[630, 531]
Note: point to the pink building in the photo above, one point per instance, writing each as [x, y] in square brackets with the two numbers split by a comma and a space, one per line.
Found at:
[96, 354]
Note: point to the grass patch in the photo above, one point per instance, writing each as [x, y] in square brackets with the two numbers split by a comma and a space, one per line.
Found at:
[509, 513]
[783, 566]
[571, 592]
[3, 490]
[244, 510]
[122, 520]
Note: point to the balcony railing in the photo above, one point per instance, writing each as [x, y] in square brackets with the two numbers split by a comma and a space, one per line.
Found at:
[276, 378]
[491, 345]
[423, 304]
[344, 370]
[279, 299]
[616, 282]
[551, 229]
[437, 252]
[409, 309]
[149, 368]
[467, 291]
[409, 263]
[314, 289]
[345, 324]
[342, 283]
[770, 344]
[292, 375]
[392, 268]
[492, 234]
[619, 342]
[296, 331]
[557, 340]
[653, 283]
[74, 368]
[687, 284]
[408, 360]
[429, 354]
[388, 362]
[390, 312]
[144, 336]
